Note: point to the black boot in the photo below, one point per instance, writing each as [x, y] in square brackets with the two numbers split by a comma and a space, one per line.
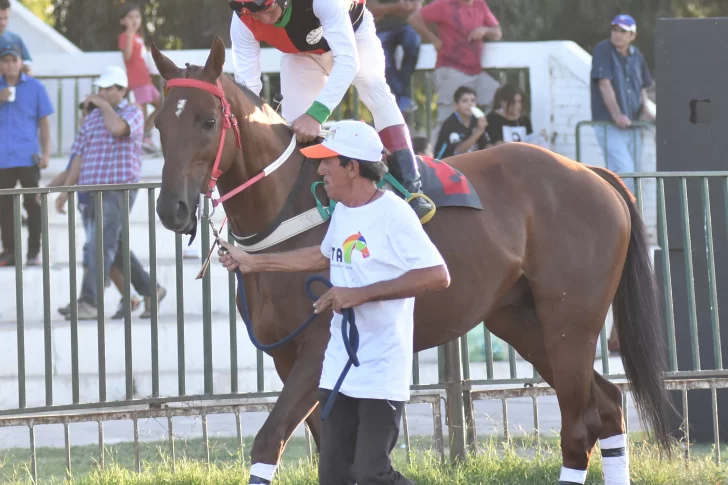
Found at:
[403, 167]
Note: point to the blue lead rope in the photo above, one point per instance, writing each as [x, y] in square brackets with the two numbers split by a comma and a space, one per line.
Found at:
[349, 336]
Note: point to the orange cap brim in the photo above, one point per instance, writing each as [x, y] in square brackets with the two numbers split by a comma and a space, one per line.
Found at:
[318, 151]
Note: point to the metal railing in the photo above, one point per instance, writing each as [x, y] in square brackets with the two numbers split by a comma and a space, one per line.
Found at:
[685, 193]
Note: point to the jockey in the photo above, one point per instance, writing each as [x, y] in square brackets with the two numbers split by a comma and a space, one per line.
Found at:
[327, 45]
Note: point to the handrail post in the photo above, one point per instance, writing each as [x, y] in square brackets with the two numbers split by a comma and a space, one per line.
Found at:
[455, 402]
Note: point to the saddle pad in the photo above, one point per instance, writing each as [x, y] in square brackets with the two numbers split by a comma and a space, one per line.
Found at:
[446, 186]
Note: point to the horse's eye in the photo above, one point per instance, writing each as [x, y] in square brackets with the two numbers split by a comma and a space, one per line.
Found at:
[209, 124]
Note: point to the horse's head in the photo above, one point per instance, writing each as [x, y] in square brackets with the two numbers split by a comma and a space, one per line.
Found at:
[190, 123]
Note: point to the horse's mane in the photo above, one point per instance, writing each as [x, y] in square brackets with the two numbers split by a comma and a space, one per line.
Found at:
[194, 70]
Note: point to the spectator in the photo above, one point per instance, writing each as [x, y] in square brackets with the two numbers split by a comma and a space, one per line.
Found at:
[463, 26]
[422, 146]
[462, 131]
[109, 144]
[393, 30]
[131, 44]
[24, 111]
[9, 38]
[508, 122]
[618, 94]
[67, 178]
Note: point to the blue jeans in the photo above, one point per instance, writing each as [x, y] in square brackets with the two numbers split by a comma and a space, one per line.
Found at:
[399, 79]
[112, 225]
[622, 148]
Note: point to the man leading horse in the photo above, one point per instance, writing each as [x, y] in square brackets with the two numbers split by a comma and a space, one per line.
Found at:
[327, 46]
[379, 259]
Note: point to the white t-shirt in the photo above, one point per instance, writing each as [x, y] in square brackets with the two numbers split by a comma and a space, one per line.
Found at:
[376, 242]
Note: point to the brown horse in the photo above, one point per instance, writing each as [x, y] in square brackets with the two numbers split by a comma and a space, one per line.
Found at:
[557, 243]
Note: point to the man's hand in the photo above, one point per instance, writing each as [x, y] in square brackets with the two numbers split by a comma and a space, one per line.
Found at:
[478, 33]
[306, 128]
[437, 44]
[622, 121]
[4, 95]
[61, 202]
[94, 99]
[338, 298]
[235, 258]
[44, 161]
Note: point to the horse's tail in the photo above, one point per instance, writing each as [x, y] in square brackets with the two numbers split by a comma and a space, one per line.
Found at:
[637, 319]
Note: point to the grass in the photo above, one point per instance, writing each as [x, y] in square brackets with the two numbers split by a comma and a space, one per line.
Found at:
[517, 461]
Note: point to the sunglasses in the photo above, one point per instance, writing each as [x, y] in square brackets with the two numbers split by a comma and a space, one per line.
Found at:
[252, 6]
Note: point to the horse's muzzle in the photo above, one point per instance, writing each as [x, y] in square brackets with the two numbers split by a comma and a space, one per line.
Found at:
[176, 216]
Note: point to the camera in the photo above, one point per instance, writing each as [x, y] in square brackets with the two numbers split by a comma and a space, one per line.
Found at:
[88, 106]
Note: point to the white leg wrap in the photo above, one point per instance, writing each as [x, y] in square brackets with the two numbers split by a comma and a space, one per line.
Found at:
[263, 470]
[615, 460]
[569, 475]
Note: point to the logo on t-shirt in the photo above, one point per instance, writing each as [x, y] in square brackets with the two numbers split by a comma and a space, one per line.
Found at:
[355, 242]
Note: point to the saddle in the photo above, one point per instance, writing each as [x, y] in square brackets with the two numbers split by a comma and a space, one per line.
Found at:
[444, 185]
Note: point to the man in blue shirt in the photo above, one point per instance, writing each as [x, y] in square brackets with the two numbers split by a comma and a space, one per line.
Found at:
[9, 38]
[24, 111]
[618, 94]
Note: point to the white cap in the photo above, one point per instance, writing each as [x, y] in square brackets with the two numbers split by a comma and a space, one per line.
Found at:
[112, 76]
[350, 138]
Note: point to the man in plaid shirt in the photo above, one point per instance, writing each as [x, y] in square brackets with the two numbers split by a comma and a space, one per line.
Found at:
[110, 146]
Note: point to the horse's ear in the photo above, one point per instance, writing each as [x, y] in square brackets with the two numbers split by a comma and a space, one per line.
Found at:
[216, 59]
[167, 68]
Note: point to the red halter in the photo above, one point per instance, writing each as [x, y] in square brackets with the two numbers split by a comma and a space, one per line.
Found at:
[228, 121]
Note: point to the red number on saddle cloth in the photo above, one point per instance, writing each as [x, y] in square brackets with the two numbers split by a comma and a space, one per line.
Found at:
[452, 182]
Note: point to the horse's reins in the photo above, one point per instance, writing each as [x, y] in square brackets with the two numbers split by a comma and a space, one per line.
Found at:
[351, 342]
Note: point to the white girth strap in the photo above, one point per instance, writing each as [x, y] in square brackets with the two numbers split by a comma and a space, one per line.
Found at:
[288, 229]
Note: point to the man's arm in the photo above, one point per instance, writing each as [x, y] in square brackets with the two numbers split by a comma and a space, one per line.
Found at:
[44, 126]
[610, 101]
[476, 135]
[418, 23]
[339, 33]
[114, 123]
[246, 55]
[410, 284]
[304, 259]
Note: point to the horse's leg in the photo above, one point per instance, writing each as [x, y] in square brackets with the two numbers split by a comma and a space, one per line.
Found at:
[314, 426]
[612, 438]
[294, 404]
[540, 329]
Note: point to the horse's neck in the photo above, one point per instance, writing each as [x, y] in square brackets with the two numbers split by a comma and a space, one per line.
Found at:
[256, 207]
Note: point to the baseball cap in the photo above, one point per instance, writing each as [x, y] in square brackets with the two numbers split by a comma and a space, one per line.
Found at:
[350, 138]
[112, 76]
[10, 49]
[626, 22]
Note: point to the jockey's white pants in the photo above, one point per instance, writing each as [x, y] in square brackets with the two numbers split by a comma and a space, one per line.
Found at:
[303, 76]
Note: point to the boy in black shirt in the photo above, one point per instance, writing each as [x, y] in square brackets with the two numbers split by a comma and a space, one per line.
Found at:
[462, 132]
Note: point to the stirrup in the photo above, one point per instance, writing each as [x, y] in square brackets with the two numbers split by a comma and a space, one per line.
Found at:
[426, 218]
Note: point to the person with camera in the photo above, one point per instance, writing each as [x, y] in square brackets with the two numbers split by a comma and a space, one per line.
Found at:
[109, 145]
[24, 111]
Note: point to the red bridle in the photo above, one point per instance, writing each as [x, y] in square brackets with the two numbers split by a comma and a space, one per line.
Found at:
[229, 121]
